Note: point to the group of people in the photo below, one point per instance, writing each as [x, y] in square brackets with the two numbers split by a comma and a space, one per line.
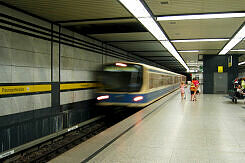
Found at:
[239, 86]
[194, 88]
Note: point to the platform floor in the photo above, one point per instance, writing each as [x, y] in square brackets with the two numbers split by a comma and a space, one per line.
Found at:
[210, 130]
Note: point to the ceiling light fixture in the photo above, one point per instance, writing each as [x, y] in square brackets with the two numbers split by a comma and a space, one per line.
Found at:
[238, 50]
[201, 40]
[141, 13]
[201, 16]
[136, 8]
[241, 63]
[188, 51]
[193, 70]
[153, 28]
[235, 40]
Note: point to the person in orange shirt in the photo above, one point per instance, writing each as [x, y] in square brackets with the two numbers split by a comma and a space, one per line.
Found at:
[196, 83]
[193, 90]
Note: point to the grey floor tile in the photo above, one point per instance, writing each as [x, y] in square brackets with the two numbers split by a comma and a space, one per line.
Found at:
[189, 160]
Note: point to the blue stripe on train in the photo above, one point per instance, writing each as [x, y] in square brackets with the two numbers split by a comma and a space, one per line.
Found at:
[128, 98]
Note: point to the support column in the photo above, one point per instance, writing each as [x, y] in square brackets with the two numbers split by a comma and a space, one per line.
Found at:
[55, 67]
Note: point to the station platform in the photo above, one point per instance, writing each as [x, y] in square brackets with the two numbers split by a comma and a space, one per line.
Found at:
[211, 129]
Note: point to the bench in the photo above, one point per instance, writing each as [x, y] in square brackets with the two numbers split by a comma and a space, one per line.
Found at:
[234, 95]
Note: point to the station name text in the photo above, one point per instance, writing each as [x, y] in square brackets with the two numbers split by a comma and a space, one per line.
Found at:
[13, 90]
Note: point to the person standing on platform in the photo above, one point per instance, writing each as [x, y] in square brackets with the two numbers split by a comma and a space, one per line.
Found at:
[182, 90]
[243, 83]
[193, 90]
[196, 83]
[235, 83]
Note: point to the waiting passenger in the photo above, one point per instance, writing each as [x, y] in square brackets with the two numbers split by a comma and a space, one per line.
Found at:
[193, 90]
[243, 83]
[198, 91]
[182, 90]
[240, 91]
[235, 80]
[235, 83]
[196, 83]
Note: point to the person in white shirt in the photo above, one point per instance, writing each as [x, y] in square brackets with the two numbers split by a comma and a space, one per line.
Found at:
[240, 91]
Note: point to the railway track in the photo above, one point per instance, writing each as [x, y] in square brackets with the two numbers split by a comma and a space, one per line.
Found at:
[52, 148]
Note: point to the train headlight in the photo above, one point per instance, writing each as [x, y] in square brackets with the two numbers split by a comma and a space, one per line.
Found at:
[138, 98]
[121, 64]
[104, 97]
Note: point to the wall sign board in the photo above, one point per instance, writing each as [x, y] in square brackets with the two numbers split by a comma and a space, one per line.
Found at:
[220, 69]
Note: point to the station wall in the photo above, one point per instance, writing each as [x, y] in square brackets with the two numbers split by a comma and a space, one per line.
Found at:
[47, 77]
[210, 66]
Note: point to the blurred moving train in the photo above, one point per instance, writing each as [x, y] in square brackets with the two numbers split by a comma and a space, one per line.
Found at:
[134, 84]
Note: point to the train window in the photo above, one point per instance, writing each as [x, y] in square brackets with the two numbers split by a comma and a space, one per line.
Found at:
[165, 80]
[169, 80]
[159, 80]
[151, 80]
[175, 79]
[156, 80]
[122, 79]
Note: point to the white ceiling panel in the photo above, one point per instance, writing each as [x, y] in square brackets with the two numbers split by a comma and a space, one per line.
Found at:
[240, 45]
[209, 28]
[171, 7]
[188, 57]
[104, 20]
[209, 52]
[199, 45]
[63, 10]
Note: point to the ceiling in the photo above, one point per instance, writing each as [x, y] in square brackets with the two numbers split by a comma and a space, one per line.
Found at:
[110, 22]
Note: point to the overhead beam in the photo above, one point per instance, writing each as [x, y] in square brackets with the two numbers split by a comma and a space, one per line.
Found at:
[105, 28]
[150, 51]
[131, 41]
[166, 60]
[95, 21]
[157, 56]
[168, 63]
[177, 41]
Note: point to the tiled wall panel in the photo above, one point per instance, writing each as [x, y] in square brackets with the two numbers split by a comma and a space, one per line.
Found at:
[27, 59]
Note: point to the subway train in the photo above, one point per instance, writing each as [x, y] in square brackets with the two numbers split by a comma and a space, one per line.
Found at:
[132, 84]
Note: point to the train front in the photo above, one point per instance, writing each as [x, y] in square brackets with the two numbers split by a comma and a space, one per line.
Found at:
[121, 84]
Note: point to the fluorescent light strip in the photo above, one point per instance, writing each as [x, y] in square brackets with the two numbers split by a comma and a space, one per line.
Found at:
[140, 12]
[235, 40]
[151, 25]
[136, 8]
[241, 63]
[193, 70]
[201, 16]
[172, 50]
[201, 40]
[188, 51]
[238, 50]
